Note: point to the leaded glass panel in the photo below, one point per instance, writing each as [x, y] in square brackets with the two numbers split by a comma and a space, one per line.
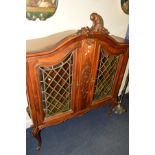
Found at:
[105, 75]
[56, 87]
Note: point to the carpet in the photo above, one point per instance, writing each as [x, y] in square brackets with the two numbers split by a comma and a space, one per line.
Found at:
[94, 133]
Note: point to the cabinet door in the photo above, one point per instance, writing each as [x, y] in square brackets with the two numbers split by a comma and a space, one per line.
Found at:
[106, 72]
[51, 84]
[86, 66]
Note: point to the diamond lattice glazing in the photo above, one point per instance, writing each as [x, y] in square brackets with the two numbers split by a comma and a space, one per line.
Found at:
[105, 75]
[56, 87]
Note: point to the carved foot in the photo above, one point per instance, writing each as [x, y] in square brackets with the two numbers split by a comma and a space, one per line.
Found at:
[119, 109]
[113, 104]
[36, 135]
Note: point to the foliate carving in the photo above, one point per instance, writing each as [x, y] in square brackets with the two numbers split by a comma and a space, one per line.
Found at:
[84, 30]
[98, 26]
[86, 73]
[84, 91]
[86, 76]
[89, 42]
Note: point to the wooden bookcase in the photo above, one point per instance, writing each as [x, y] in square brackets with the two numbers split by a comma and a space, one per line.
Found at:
[72, 72]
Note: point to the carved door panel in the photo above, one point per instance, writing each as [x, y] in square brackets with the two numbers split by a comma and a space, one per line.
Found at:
[85, 71]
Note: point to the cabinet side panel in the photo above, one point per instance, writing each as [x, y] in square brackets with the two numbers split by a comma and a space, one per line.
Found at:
[34, 109]
[120, 73]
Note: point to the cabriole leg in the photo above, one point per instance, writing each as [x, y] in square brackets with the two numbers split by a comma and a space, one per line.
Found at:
[36, 135]
[118, 108]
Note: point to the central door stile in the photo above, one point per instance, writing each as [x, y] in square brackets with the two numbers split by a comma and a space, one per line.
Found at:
[86, 64]
[74, 102]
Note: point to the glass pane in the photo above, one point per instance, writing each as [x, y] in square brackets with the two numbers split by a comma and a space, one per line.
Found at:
[56, 87]
[105, 75]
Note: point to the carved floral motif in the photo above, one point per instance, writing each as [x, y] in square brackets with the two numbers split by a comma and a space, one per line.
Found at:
[98, 26]
[86, 78]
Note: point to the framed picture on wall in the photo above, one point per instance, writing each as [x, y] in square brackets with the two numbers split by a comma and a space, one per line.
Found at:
[41, 9]
[125, 6]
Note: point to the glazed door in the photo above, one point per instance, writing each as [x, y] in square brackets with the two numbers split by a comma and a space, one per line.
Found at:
[53, 79]
[107, 74]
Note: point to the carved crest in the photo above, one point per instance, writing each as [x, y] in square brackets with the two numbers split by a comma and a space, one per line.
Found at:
[98, 25]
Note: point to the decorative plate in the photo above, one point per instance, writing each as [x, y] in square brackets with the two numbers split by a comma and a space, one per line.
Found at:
[41, 9]
[125, 6]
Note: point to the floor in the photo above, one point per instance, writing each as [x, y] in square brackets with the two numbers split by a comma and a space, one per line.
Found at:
[95, 133]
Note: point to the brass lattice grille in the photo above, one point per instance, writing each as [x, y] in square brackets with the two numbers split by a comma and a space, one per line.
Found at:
[56, 87]
[105, 75]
